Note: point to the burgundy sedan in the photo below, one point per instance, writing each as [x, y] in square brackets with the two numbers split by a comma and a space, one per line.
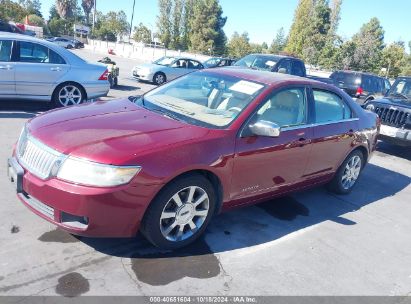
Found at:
[166, 162]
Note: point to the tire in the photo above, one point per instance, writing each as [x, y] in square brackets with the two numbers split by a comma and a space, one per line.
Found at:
[75, 95]
[159, 78]
[171, 221]
[115, 81]
[110, 80]
[344, 180]
[69, 46]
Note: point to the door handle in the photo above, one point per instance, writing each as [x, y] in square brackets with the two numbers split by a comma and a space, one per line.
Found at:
[57, 69]
[6, 67]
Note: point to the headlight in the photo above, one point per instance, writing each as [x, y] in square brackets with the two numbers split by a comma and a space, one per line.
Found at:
[84, 172]
[370, 107]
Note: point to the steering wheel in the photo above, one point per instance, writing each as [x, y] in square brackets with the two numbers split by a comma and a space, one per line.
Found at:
[237, 109]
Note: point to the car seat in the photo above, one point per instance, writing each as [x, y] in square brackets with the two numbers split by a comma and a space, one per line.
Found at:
[286, 109]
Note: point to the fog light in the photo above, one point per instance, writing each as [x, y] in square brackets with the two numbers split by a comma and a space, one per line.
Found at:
[74, 220]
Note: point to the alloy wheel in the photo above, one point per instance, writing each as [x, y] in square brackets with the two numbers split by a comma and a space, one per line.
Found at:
[159, 79]
[184, 214]
[70, 95]
[351, 172]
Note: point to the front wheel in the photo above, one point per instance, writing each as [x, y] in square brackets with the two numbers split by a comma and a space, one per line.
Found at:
[180, 213]
[348, 173]
[159, 78]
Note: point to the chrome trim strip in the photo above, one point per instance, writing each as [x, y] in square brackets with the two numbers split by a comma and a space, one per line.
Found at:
[317, 124]
[38, 206]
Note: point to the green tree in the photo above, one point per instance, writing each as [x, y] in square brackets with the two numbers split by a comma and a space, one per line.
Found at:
[279, 42]
[239, 45]
[164, 24]
[53, 12]
[12, 11]
[116, 23]
[35, 20]
[59, 26]
[369, 43]
[142, 33]
[394, 59]
[406, 70]
[177, 16]
[87, 6]
[300, 29]
[206, 27]
[33, 7]
[185, 26]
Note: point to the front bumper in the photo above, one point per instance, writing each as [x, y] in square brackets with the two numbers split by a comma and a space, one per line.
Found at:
[142, 76]
[395, 136]
[82, 210]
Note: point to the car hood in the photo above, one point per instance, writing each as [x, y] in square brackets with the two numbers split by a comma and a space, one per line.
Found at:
[391, 101]
[114, 132]
[149, 66]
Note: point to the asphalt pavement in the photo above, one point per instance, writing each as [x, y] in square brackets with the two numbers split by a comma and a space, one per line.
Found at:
[309, 243]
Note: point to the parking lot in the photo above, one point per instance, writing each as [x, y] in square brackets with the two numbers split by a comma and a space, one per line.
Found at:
[310, 243]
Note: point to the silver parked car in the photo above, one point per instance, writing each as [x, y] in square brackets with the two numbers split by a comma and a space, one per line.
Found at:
[35, 69]
[165, 69]
[64, 42]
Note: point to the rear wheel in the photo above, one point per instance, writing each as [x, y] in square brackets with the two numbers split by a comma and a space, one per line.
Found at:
[180, 213]
[348, 173]
[115, 81]
[68, 94]
[110, 80]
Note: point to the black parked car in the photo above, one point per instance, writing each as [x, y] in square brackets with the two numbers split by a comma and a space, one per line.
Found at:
[395, 113]
[78, 44]
[362, 87]
[216, 62]
[274, 63]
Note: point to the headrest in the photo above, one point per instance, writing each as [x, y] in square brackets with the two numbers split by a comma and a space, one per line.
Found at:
[286, 99]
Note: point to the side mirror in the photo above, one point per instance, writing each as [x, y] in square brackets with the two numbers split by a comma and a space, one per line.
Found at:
[265, 128]
[282, 71]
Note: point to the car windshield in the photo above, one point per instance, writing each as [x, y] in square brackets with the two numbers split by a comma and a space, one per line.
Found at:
[203, 98]
[166, 61]
[212, 62]
[260, 62]
[401, 88]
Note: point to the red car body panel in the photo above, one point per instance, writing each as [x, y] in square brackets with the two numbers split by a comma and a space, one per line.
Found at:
[248, 169]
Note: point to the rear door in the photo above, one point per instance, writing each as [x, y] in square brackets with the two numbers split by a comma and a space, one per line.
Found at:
[38, 69]
[7, 68]
[333, 133]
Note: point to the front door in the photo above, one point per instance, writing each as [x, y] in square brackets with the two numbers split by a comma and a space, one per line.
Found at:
[38, 70]
[270, 164]
[7, 69]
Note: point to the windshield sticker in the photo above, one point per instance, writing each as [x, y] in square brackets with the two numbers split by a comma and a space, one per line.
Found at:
[246, 87]
[270, 63]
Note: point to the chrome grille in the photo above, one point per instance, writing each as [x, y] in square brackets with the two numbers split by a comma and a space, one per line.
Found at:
[35, 156]
[392, 117]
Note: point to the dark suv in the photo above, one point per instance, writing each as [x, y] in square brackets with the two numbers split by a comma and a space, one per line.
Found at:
[274, 63]
[362, 87]
[395, 113]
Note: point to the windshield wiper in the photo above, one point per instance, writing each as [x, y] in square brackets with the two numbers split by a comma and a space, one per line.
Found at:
[166, 114]
[399, 95]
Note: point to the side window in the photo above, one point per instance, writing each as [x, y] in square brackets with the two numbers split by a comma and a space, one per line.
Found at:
[194, 65]
[5, 50]
[285, 108]
[387, 85]
[329, 107]
[285, 64]
[33, 52]
[55, 58]
[298, 69]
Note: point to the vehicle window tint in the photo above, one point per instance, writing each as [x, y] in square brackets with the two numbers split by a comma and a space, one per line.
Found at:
[329, 107]
[350, 79]
[285, 64]
[298, 69]
[285, 108]
[5, 50]
[55, 58]
[387, 85]
[33, 52]
[194, 65]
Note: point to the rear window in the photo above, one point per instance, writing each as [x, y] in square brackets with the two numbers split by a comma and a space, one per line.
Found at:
[348, 79]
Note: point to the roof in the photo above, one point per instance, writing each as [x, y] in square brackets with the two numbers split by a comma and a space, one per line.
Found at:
[275, 55]
[265, 77]
[357, 72]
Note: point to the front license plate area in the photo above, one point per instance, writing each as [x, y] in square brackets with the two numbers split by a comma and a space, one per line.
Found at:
[15, 173]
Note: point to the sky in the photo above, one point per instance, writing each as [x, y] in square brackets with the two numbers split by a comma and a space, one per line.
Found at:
[263, 18]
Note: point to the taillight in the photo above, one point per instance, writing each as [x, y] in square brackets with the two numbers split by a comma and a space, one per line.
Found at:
[104, 76]
[359, 91]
